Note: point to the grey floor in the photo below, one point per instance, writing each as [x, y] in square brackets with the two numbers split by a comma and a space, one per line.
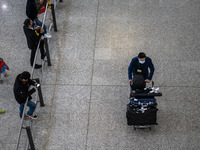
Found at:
[86, 89]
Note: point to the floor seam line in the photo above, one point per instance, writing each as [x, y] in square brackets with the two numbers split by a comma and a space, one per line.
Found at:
[86, 145]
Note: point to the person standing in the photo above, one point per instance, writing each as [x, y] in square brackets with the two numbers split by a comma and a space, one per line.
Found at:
[32, 13]
[140, 65]
[3, 68]
[33, 36]
[22, 92]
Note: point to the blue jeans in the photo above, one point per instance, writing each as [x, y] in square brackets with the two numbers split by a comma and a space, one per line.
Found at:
[31, 106]
[39, 23]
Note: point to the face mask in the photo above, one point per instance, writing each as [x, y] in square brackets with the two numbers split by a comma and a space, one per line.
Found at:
[141, 62]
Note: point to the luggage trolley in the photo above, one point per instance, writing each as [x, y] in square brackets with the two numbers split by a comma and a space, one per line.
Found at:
[142, 109]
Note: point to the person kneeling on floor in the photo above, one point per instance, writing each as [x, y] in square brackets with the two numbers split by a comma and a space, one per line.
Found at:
[22, 92]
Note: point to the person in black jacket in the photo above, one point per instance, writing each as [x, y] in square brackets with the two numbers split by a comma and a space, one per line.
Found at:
[32, 12]
[22, 92]
[33, 36]
[141, 65]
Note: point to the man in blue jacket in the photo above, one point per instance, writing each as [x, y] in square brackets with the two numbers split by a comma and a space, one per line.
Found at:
[140, 65]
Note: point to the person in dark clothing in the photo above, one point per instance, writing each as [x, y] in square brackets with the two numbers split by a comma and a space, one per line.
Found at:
[32, 12]
[22, 92]
[140, 65]
[33, 38]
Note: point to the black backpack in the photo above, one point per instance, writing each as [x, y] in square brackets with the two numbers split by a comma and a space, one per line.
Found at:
[138, 82]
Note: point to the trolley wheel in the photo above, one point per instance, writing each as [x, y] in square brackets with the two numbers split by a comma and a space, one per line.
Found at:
[150, 128]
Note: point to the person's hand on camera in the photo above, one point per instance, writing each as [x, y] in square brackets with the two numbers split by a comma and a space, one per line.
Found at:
[37, 28]
[147, 80]
[41, 30]
[36, 88]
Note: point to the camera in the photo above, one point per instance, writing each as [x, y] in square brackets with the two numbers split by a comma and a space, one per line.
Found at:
[37, 85]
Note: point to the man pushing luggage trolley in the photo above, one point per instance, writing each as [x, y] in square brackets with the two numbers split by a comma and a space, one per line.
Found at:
[142, 109]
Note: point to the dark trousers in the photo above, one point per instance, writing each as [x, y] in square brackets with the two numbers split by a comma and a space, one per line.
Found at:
[33, 51]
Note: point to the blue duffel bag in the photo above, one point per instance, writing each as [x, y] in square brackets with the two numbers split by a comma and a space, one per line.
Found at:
[143, 101]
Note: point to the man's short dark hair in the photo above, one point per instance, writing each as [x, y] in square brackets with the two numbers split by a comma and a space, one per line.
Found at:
[27, 22]
[25, 75]
[141, 55]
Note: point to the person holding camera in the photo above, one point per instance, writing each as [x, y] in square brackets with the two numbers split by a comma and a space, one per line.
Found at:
[33, 36]
[22, 92]
[141, 65]
[32, 13]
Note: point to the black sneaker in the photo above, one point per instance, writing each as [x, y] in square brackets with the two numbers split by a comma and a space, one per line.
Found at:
[31, 116]
[25, 117]
[38, 66]
[43, 56]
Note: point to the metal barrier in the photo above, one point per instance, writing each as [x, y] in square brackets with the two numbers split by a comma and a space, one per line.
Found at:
[40, 93]
[30, 137]
[30, 142]
[47, 51]
[54, 17]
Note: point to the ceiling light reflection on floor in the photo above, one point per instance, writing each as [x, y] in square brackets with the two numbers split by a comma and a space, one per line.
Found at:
[4, 6]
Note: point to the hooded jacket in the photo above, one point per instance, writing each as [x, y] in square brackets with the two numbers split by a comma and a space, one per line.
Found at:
[21, 91]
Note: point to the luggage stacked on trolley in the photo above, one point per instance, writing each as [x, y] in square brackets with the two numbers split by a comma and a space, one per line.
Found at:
[142, 109]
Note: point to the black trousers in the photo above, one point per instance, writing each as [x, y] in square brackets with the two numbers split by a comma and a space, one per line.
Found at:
[33, 51]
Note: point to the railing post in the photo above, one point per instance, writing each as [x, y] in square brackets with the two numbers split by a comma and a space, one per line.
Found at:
[54, 17]
[40, 93]
[47, 51]
[30, 138]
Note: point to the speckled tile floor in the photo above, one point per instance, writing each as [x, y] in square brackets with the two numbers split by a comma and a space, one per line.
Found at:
[86, 89]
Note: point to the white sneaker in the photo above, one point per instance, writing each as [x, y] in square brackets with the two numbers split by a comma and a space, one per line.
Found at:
[47, 35]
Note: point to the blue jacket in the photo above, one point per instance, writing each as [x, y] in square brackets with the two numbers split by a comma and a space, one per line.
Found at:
[134, 65]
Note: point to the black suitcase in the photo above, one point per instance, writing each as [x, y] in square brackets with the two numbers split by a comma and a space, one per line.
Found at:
[136, 117]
